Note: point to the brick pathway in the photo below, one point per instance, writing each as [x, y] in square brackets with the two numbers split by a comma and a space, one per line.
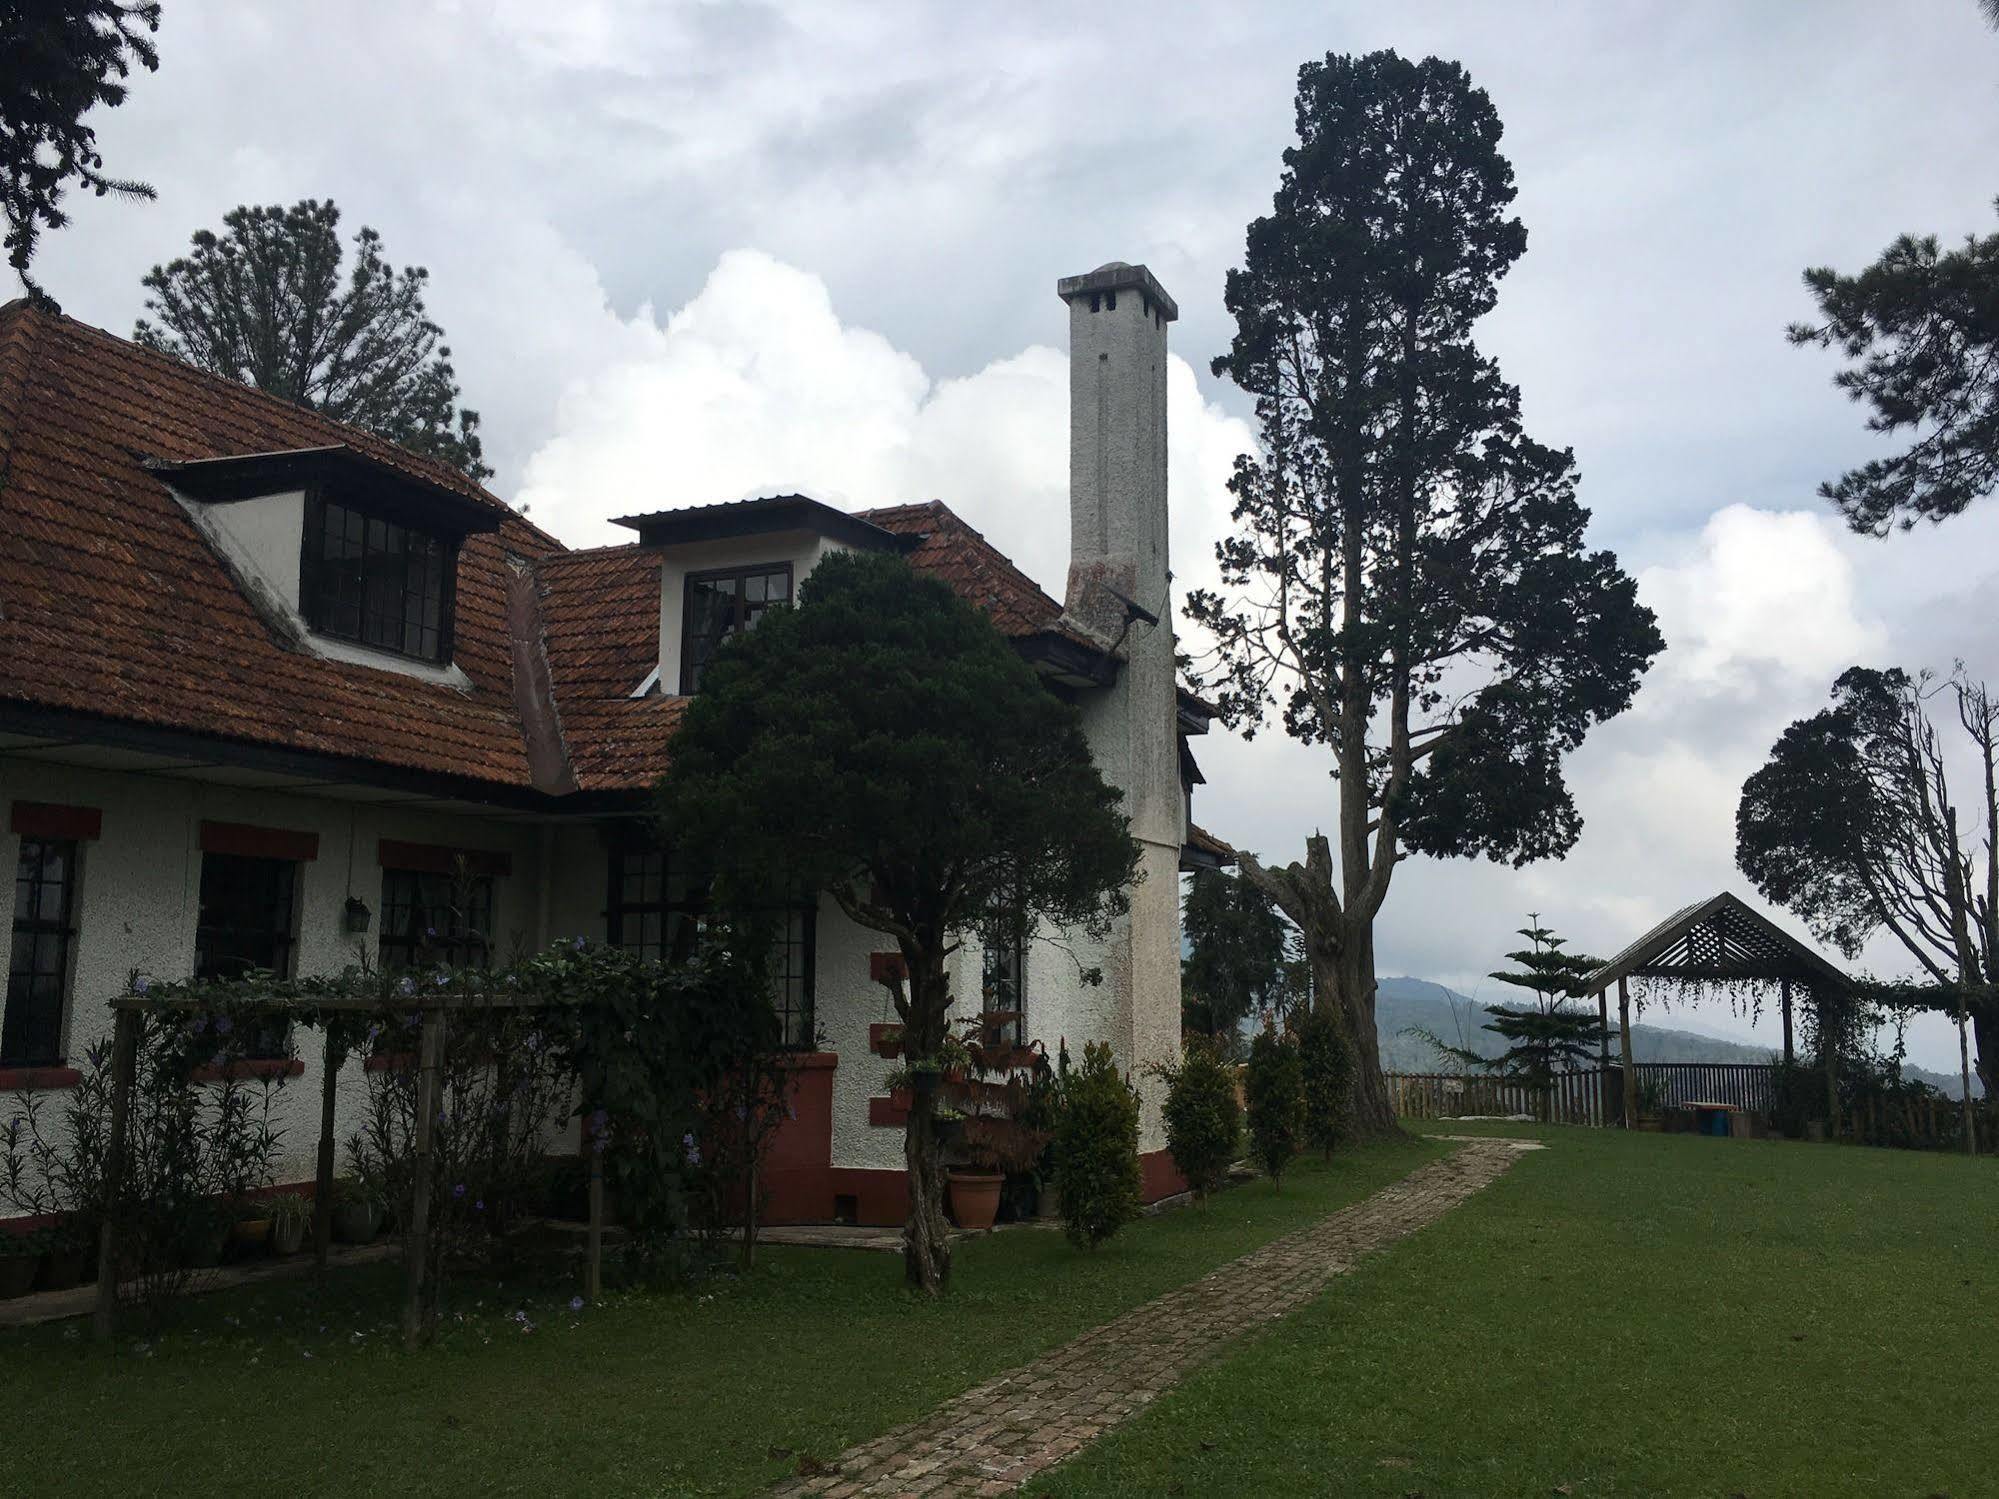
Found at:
[997, 1436]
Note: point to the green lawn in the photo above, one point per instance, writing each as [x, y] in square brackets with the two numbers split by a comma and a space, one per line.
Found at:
[1623, 1315]
[713, 1391]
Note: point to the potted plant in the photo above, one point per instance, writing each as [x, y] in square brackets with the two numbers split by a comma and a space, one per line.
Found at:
[290, 1214]
[999, 1132]
[1651, 1103]
[250, 1233]
[20, 1259]
[357, 1212]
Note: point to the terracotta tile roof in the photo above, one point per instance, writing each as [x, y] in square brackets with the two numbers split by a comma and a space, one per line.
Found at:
[105, 574]
[973, 566]
[600, 622]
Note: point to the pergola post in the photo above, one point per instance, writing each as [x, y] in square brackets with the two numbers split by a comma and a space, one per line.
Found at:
[322, 1188]
[416, 1232]
[124, 1070]
[1784, 995]
[1624, 1051]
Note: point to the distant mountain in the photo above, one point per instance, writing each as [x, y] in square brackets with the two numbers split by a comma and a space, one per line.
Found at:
[1401, 1004]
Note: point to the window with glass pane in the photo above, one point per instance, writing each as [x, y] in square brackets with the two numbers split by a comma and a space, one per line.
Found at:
[31, 1031]
[1004, 981]
[375, 582]
[721, 604]
[246, 924]
[436, 918]
[791, 977]
[651, 910]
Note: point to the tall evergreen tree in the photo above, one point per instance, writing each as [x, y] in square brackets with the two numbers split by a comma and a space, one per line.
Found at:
[1920, 331]
[1408, 582]
[59, 59]
[884, 743]
[1235, 962]
[263, 303]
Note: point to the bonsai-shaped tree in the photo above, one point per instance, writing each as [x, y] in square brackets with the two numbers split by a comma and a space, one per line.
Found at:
[1203, 1120]
[882, 742]
[1548, 1036]
[1096, 1148]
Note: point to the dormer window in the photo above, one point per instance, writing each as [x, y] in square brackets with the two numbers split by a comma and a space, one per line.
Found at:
[376, 582]
[721, 603]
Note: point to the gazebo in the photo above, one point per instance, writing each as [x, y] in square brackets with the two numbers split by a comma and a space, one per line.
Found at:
[1721, 940]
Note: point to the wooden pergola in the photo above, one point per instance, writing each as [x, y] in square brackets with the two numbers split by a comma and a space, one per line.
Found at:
[1720, 940]
[435, 1009]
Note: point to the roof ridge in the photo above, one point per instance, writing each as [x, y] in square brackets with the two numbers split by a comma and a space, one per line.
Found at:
[18, 350]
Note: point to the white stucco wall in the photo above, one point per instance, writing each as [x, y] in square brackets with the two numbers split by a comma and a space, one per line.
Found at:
[139, 887]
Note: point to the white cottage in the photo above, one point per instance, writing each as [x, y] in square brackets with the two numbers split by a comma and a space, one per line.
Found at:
[267, 681]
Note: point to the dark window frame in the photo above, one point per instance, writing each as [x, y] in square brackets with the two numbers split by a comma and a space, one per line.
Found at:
[1010, 942]
[799, 1022]
[316, 608]
[281, 902]
[459, 938]
[690, 668]
[25, 1022]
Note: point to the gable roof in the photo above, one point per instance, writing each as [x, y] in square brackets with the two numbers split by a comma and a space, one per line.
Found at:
[1720, 938]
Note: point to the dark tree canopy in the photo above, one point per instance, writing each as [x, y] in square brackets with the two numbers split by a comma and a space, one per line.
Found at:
[1920, 332]
[1852, 823]
[264, 303]
[1236, 961]
[884, 743]
[1408, 582]
[59, 59]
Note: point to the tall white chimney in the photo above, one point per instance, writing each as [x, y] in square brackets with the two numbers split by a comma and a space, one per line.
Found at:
[1117, 596]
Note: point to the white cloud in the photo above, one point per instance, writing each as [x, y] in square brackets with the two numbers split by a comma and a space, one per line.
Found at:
[756, 386]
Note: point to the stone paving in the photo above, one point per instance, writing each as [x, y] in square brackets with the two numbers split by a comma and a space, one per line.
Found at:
[997, 1436]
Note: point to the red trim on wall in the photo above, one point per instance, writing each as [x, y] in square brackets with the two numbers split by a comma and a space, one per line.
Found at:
[252, 842]
[389, 1061]
[880, 1043]
[440, 858]
[886, 967]
[890, 1112]
[249, 1067]
[1159, 1177]
[50, 820]
[809, 1061]
[38, 1079]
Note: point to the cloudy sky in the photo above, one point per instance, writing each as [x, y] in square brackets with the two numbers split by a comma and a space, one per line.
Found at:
[688, 252]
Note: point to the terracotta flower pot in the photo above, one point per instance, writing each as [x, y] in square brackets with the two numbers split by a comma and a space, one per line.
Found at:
[975, 1197]
[250, 1236]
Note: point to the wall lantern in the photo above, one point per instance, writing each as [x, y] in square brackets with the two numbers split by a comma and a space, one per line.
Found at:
[356, 920]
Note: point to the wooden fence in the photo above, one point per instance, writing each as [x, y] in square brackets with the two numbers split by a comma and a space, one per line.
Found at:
[1674, 1085]
[1576, 1098]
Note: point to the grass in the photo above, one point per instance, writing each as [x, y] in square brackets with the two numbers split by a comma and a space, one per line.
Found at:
[1622, 1315]
[717, 1390]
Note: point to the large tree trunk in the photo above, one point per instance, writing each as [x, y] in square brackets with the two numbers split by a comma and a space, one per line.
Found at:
[926, 1245]
[1373, 1112]
[1985, 1034]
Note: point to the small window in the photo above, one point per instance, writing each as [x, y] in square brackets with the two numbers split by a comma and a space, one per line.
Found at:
[247, 925]
[791, 976]
[436, 918]
[721, 604]
[31, 1030]
[376, 582]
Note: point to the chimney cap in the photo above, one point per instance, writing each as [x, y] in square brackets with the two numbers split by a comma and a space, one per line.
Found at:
[1115, 277]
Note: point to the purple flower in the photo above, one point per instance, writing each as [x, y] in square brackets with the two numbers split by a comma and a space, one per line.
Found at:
[576, 1303]
[479, 1206]
[599, 1122]
[141, 984]
[579, 944]
[430, 931]
[224, 1025]
[407, 986]
[459, 1190]
[693, 1149]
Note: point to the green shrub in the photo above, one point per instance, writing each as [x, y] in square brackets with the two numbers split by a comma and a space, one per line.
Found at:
[1326, 1065]
[1096, 1149]
[1203, 1119]
[1276, 1092]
